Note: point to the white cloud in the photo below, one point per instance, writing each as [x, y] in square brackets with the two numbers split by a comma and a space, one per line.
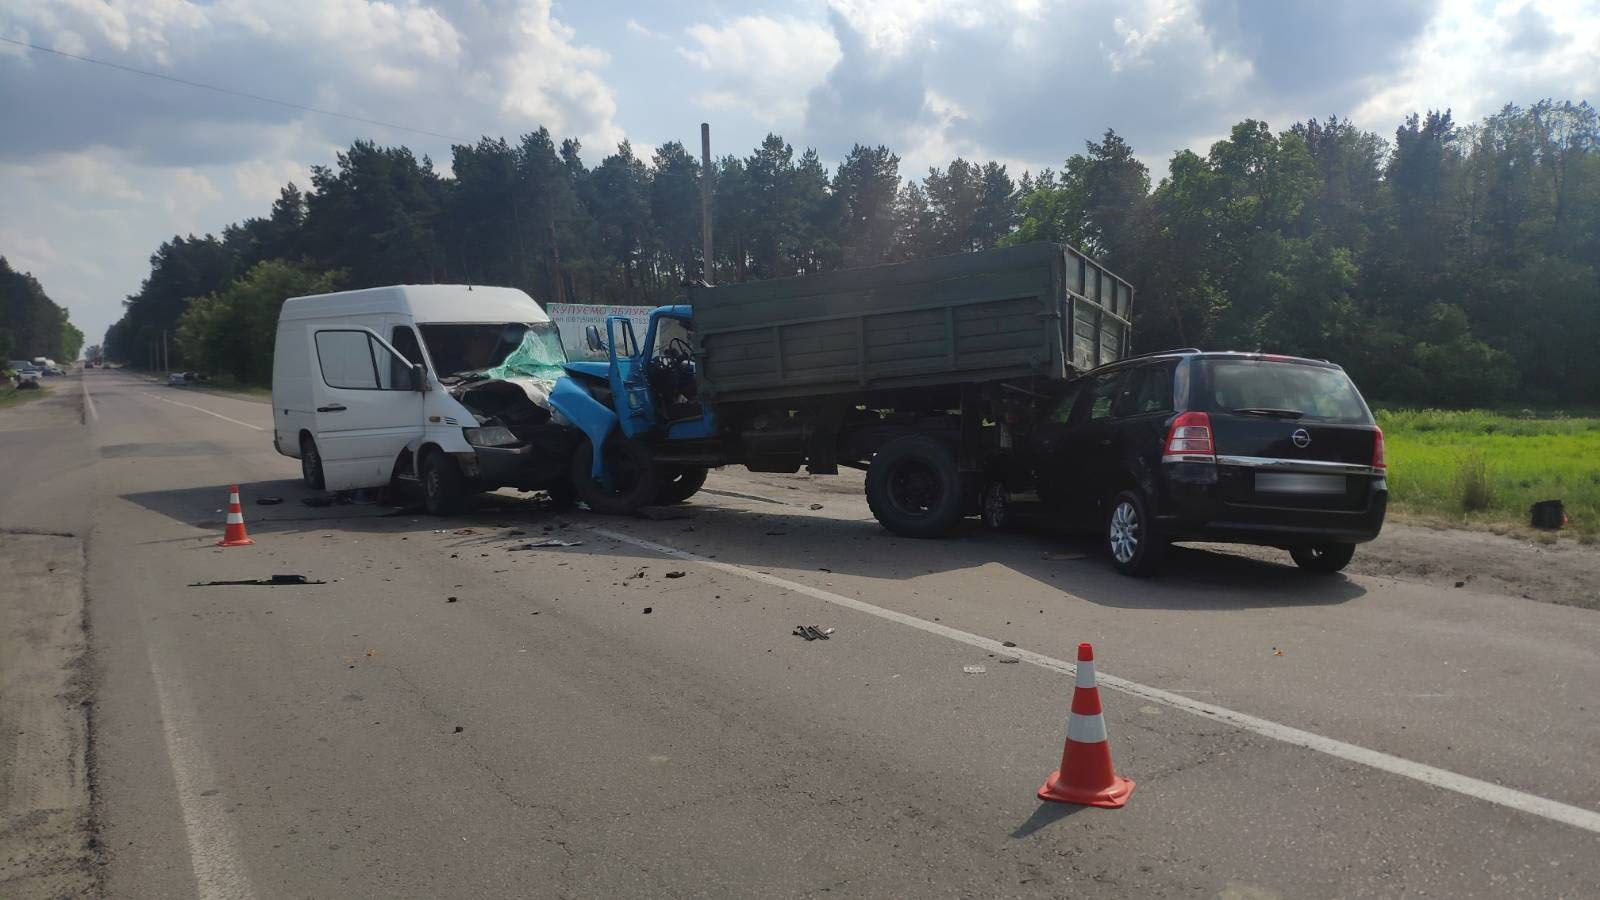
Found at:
[1462, 63]
[761, 65]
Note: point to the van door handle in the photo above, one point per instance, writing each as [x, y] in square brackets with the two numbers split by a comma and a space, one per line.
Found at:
[334, 408]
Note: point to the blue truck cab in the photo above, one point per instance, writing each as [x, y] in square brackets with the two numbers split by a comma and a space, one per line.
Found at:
[642, 395]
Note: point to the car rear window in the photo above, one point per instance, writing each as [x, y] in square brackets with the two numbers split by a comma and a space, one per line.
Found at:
[1316, 392]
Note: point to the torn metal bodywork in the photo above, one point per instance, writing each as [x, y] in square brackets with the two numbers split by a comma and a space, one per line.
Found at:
[537, 452]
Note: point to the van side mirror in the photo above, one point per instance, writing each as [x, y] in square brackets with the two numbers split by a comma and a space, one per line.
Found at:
[419, 378]
[591, 337]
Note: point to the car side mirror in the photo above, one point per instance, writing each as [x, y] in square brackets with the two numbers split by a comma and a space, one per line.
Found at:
[419, 378]
[591, 337]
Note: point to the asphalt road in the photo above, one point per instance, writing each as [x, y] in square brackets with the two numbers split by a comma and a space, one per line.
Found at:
[579, 723]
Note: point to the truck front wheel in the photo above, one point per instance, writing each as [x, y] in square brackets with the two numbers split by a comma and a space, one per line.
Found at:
[678, 483]
[914, 487]
[630, 480]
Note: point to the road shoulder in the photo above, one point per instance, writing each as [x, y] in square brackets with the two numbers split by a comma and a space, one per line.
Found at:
[47, 847]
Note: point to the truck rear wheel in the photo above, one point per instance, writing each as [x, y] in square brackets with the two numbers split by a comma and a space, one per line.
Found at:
[676, 484]
[914, 487]
[631, 477]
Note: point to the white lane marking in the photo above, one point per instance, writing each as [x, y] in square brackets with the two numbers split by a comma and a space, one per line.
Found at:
[206, 411]
[219, 872]
[88, 401]
[1554, 810]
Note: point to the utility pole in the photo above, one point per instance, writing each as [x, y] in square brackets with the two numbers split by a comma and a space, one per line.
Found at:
[166, 360]
[708, 266]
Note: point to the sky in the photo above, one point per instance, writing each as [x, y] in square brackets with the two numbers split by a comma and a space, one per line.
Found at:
[99, 165]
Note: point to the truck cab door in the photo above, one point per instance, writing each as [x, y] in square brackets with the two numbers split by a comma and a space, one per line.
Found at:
[630, 385]
[367, 407]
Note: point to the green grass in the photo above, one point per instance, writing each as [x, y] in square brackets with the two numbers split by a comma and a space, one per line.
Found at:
[1482, 467]
[10, 396]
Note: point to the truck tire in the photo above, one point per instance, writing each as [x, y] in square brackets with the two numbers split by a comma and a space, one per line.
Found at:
[310, 463]
[676, 484]
[914, 487]
[444, 488]
[633, 477]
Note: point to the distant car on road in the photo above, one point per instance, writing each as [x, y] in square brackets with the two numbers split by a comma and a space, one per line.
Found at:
[1244, 448]
[177, 379]
[54, 370]
[27, 376]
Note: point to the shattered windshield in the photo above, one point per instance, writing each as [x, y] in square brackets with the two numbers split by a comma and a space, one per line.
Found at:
[494, 351]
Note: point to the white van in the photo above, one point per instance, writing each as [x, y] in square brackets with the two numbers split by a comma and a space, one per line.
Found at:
[445, 385]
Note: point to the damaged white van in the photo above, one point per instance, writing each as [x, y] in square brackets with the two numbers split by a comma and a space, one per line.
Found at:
[443, 385]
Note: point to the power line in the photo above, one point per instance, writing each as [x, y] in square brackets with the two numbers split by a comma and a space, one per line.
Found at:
[234, 93]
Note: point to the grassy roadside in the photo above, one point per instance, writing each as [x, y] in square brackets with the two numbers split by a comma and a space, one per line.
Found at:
[1482, 468]
[221, 387]
[10, 396]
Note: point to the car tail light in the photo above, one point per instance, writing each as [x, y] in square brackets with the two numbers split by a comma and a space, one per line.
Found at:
[1189, 439]
[1380, 459]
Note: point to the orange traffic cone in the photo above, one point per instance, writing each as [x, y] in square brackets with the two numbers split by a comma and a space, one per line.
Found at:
[234, 535]
[1086, 776]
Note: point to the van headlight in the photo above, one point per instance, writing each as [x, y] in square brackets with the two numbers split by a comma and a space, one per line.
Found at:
[490, 436]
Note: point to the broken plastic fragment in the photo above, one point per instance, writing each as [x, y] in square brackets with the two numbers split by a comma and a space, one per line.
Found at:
[973, 670]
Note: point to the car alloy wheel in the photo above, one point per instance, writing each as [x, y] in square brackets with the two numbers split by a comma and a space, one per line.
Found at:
[1124, 534]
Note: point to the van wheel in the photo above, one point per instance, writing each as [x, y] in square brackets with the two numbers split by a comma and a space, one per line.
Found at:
[1131, 539]
[444, 491]
[310, 463]
[676, 484]
[914, 487]
[1323, 559]
[632, 477]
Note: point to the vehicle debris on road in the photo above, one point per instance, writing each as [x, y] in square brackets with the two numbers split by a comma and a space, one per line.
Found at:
[676, 574]
[268, 501]
[973, 670]
[548, 542]
[812, 632]
[273, 581]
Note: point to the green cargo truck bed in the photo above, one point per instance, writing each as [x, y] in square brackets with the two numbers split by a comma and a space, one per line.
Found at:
[1039, 311]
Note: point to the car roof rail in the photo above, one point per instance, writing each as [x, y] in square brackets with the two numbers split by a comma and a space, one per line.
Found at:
[1162, 353]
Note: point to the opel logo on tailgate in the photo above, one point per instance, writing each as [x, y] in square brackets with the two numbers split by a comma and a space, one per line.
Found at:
[1301, 438]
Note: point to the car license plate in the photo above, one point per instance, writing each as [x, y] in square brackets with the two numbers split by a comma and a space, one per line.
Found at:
[1299, 483]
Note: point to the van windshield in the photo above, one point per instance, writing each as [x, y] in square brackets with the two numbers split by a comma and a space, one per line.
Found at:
[494, 351]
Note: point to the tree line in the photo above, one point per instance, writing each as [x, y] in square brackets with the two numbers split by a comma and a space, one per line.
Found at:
[1449, 265]
[31, 324]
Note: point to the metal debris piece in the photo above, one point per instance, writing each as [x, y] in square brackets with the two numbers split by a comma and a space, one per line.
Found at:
[973, 670]
[268, 501]
[548, 542]
[816, 506]
[1008, 643]
[675, 574]
[812, 632]
[273, 581]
